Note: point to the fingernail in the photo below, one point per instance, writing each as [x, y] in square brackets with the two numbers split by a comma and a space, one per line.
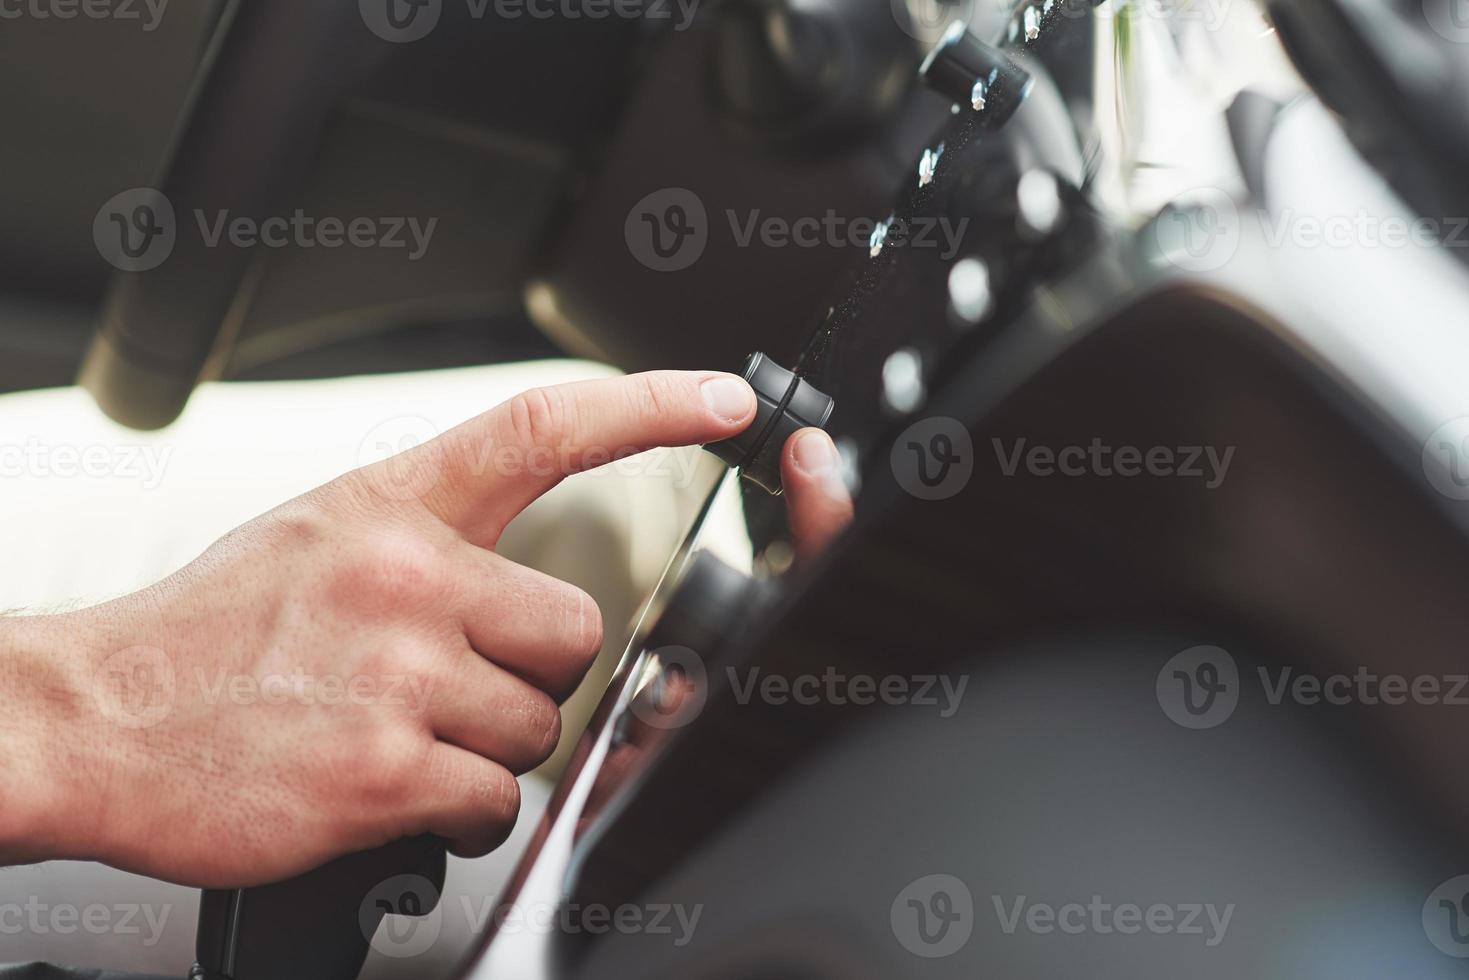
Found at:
[815, 453]
[728, 397]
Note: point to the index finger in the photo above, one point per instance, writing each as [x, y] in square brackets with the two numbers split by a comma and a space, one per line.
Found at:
[493, 466]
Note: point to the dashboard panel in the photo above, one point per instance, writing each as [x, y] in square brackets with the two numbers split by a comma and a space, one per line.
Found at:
[1107, 281]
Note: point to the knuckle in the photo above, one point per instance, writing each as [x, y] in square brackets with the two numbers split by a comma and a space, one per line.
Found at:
[392, 764]
[581, 624]
[538, 417]
[300, 527]
[497, 795]
[550, 735]
[294, 526]
[390, 572]
[423, 663]
[541, 722]
[655, 395]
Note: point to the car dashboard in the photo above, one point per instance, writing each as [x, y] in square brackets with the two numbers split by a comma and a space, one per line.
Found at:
[1121, 189]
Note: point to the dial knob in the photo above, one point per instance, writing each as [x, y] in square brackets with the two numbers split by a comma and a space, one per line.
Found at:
[786, 404]
[973, 73]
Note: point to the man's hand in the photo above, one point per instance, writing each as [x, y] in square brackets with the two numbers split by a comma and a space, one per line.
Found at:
[354, 667]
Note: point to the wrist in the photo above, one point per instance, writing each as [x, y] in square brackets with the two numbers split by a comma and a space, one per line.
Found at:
[47, 809]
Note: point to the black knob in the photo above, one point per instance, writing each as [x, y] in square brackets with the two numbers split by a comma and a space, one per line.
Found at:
[786, 404]
[318, 926]
[973, 73]
[709, 600]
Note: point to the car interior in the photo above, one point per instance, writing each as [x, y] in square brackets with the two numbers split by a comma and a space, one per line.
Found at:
[1140, 328]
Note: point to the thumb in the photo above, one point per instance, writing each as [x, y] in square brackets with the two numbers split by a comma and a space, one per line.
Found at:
[818, 505]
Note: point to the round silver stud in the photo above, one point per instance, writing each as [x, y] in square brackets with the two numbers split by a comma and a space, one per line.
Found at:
[1038, 199]
[903, 390]
[970, 292]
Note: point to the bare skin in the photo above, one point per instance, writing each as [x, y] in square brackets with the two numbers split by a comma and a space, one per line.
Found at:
[355, 666]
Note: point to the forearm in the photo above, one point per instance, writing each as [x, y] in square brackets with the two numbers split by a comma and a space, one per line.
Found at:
[45, 723]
